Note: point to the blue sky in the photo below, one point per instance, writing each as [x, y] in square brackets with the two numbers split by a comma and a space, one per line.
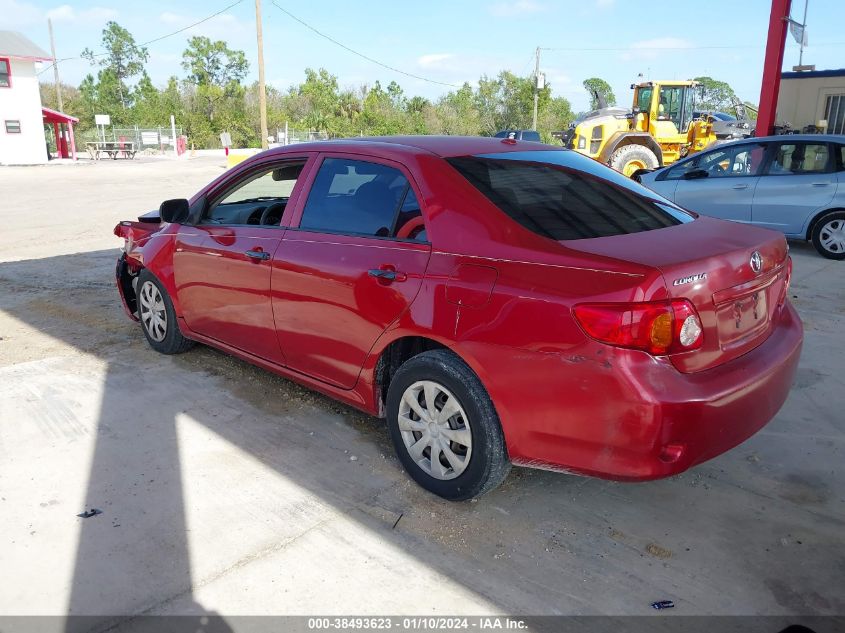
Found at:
[457, 40]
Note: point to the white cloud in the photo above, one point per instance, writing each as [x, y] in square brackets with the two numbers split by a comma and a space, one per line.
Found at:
[18, 15]
[652, 49]
[434, 60]
[514, 8]
[224, 26]
[66, 13]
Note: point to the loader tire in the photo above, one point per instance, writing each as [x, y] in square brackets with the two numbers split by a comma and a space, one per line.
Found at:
[630, 159]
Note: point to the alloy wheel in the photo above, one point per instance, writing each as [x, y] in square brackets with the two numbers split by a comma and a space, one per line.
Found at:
[435, 429]
[152, 311]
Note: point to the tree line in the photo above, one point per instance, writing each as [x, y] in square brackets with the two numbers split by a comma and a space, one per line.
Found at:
[211, 97]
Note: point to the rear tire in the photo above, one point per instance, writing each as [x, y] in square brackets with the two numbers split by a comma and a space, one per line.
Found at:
[469, 446]
[629, 159]
[829, 235]
[158, 318]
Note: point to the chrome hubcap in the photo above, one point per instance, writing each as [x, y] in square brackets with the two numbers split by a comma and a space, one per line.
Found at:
[435, 429]
[832, 236]
[153, 314]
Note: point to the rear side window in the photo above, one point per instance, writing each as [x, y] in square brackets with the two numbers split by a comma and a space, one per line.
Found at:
[362, 198]
[799, 158]
[565, 196]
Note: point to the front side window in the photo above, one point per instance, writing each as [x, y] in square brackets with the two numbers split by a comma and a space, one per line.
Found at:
[260, 199]
[5, 73]
[799, 158]
[732, 160]
[671, 104]
[566, 196]
[361, 198]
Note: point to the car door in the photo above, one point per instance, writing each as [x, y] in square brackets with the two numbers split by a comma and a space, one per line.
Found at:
[223, 263]
[799, 181]
[349, 266]
[720, 182]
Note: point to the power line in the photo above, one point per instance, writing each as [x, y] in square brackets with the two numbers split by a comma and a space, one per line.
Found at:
[153, 41]
[632, 49]
[354, 52]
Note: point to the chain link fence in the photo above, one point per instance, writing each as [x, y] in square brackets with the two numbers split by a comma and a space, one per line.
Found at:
[149, 139]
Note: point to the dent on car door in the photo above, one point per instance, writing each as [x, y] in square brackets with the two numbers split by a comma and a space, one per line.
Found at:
[800, 181]
[720, 182]
[350, 268]
[223, 263]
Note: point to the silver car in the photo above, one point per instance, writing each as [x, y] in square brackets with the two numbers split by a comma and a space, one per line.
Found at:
[794, 184]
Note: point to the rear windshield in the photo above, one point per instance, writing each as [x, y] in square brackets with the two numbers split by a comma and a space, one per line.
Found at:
[563, 195]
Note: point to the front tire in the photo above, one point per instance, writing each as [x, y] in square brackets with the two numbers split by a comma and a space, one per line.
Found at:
[158, 318]
[444, 427]
[829, 235]
[630, 159]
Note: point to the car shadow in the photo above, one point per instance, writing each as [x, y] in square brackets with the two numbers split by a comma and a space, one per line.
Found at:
[543, 543]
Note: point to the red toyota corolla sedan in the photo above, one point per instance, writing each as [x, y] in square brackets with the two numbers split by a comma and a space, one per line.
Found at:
[498, 301]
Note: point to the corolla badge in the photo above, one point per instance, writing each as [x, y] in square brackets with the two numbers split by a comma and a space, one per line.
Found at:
[756, 261]
[688, 280]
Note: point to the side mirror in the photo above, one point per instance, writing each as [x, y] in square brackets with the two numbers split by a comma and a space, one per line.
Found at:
[695, 174]
[174, 211]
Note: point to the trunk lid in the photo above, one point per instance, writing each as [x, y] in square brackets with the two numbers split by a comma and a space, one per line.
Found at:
[709, 262]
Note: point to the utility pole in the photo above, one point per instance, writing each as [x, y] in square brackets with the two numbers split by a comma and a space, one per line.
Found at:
[536, 87]
[262, 92]
[803, 36]
[55, 67]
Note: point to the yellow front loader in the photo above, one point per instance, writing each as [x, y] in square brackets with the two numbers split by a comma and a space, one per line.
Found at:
[658, 130]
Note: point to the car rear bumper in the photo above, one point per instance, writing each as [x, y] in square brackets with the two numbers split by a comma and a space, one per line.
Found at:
[621, 414]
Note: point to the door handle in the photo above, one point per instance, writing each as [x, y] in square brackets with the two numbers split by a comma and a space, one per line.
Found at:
[821, 184]
[741, 186]
[259, 255]
[387, 275]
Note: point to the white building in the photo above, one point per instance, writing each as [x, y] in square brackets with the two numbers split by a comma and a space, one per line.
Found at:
[813, 98]
[22, 140]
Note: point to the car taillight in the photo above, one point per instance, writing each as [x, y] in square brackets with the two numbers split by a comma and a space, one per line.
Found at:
[657, 327]
[787, 278]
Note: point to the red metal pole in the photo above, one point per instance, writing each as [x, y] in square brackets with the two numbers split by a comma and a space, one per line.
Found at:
[778, 23]
[72, 140]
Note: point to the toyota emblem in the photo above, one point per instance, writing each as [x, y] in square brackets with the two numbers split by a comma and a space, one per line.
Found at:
[756, 261]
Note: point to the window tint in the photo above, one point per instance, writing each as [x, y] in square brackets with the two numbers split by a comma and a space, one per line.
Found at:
[731, 160]
[359, 197]
[268, 190]
[13, 127]
[5, 73]
[566, 196]
[799, 158]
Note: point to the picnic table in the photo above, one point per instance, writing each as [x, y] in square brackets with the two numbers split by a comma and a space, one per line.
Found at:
[112, 149]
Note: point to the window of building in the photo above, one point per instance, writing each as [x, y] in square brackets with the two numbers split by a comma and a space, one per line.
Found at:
[13, 127]
[834, 113]
[5, 73]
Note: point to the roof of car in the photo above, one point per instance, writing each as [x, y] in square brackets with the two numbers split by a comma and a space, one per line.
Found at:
[444, 146]
[839, 138]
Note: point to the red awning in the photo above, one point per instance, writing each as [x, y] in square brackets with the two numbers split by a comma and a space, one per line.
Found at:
[52, 116]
